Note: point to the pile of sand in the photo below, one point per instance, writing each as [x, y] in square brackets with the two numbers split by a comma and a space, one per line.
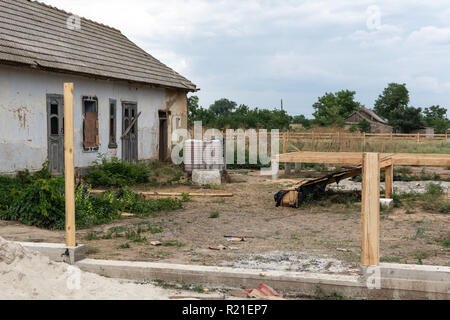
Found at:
[26, 274]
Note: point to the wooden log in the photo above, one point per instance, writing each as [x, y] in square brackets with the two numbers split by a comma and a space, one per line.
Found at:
[370, 218]
[69, 172]
[193, 194]
[175, 194]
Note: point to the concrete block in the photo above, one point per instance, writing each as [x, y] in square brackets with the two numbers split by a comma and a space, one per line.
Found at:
[57, 252]
[387, 203]
[206, 177]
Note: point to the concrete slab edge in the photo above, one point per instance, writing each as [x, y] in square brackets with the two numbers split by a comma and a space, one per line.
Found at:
[56, 251]
[296, 284]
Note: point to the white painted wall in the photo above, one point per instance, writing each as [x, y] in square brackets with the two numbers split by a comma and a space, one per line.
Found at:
[23, 116]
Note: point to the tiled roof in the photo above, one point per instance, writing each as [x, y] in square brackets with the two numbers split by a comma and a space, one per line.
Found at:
[37, 35]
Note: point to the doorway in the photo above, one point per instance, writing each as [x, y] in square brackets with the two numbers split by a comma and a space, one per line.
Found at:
[55, 133]
[163, 136]
[130, 140]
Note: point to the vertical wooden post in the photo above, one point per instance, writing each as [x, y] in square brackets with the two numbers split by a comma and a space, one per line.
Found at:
[389, 180]
[370, 219]
[69, 165]
[284, 142]
[364, 143]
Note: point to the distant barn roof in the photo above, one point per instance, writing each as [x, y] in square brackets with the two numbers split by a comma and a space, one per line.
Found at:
[35, 34]
[370, 113]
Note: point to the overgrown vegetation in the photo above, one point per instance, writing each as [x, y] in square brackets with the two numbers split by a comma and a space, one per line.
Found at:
[118, 173]
[433, 200]
[38, 200]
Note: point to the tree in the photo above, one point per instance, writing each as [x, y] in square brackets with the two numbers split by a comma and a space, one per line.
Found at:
[223, 106]
[394, 99]
[407, 119]
[334, 108]
[197, 113]
[436, 117]
[364, 125]
[301, 119]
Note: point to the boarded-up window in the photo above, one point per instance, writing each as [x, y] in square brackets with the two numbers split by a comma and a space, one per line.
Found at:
[90, 124]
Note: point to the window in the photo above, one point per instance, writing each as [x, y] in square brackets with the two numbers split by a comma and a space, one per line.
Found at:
[90, 124]
[112, 124]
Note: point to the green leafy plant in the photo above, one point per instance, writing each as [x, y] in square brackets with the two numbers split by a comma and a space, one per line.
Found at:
[117, 173]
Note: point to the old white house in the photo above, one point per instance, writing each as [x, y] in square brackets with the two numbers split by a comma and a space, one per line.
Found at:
[115, 82]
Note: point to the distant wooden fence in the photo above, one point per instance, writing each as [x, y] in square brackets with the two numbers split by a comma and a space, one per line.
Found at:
[341, 137]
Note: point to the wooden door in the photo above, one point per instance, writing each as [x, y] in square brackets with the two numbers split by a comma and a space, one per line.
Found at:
[130, 141]
[55, 133]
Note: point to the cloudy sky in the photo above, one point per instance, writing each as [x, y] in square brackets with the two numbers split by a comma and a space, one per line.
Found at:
[256, 52]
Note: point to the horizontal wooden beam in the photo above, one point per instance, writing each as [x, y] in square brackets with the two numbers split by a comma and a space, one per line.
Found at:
[355, 158]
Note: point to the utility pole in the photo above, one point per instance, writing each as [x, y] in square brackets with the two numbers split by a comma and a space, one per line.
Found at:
[281, 104]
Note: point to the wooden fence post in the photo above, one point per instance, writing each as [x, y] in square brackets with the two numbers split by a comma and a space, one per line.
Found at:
[69, 165]
[389, 180]
[370, 218]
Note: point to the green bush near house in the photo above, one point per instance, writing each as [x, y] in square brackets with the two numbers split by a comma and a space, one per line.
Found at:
[38, 200]
[117, 173]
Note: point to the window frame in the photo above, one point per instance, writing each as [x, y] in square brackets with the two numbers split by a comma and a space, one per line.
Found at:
[83, 110]
[112, 119]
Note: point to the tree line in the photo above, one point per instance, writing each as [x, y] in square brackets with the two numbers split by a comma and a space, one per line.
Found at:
[332, 109]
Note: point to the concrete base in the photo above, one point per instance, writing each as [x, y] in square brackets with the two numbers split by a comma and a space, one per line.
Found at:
[57, 251]
[206, 177]
[397, 281]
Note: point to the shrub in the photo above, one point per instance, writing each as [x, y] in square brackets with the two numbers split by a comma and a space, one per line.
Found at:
[39, 200]
[117, 173]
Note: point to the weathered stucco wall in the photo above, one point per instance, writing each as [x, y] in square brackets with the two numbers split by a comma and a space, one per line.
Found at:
[23, 121]
[176, 103]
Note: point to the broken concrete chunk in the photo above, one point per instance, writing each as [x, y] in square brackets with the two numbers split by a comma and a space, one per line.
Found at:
[206, 177]
[387, 203]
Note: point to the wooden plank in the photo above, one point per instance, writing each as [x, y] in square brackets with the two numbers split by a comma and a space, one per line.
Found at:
[370, 218]
[193, 194]
[389, 180]
[355, 158]
[175, 194]
[127, 131]
[69, 173]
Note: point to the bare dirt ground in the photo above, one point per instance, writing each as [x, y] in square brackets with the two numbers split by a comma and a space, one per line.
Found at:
[316, 238]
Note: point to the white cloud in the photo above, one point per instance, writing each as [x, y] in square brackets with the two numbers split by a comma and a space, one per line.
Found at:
[257, 50]
[430, 34]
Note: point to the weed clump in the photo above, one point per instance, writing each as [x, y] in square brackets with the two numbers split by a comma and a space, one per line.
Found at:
[117, 173]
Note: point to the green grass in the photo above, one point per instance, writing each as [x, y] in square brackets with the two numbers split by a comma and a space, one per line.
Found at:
[134, 236]
[173, 243]
[214, 214]
[91, 250]
[433, 200]
[392, 259]
[321, 294]
[92, 236]
[124, 246]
